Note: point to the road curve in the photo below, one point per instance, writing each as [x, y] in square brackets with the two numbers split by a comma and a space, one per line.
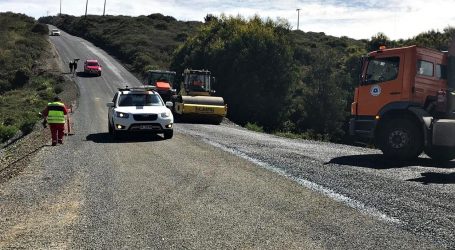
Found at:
[215, 187]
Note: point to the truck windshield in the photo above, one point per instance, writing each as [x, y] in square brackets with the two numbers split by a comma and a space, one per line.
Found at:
[381, 70]
[139, 100]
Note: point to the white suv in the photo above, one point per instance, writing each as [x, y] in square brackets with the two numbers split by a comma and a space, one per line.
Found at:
[140, 109]
[55, 32]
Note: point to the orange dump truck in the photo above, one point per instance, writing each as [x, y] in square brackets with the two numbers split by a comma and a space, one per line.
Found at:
[405, 103]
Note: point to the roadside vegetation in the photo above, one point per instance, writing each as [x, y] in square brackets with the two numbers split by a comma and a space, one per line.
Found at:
[24, 88]
[291, 83]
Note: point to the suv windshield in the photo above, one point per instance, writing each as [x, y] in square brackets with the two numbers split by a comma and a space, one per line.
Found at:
[92, 64]
[139, 100]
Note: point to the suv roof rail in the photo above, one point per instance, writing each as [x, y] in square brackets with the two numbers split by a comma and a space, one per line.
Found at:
[138, 88]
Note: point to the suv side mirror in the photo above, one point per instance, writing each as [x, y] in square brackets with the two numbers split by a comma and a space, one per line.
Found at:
[110, 104]
[169, 104]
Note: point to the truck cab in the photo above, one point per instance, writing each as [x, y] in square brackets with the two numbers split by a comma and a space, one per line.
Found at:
[402, 92]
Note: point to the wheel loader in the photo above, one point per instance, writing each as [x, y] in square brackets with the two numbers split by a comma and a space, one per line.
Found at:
[163, 81]
[195, 100]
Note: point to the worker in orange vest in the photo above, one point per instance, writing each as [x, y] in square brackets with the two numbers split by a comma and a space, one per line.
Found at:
[55, 113]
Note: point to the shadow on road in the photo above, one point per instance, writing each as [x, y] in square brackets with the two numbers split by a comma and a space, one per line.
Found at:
[85, 75]
[124, 138]
[435, 178]
[378, 161]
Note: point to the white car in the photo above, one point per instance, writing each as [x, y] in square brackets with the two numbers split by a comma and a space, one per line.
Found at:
[55, 32]
[140, 109]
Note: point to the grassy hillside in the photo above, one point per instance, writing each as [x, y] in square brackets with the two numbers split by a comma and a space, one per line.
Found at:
[139, 42]
[24, 87]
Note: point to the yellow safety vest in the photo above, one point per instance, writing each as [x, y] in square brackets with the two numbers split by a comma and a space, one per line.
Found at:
[56, 114]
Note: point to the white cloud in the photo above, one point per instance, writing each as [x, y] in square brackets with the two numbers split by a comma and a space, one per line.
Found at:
[355, 18]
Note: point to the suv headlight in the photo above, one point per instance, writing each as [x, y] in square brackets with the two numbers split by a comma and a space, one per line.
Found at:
[122, 115]
[166, 114]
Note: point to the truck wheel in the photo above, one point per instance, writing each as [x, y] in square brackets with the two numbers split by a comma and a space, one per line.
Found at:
[440, 154]
[168, 134]
[401, 139]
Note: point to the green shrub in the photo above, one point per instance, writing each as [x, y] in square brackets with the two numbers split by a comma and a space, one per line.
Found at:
[7, 132]
[58, 89]
[254, 127]
[40, 29]
[161, 26]
[27, 125]
[21, 78]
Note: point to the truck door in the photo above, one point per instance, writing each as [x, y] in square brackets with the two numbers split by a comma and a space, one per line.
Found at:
[381, 83]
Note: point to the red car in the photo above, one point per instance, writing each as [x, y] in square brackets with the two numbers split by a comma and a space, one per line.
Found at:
[92, 67]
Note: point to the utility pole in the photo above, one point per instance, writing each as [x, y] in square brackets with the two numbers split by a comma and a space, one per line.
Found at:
[298, 18]
[86, 5]
[104, 10]
[60, 7]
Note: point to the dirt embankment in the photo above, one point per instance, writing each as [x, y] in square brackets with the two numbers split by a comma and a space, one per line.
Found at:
[14, 156]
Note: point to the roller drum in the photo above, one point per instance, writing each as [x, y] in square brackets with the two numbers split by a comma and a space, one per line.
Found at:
[203, 100]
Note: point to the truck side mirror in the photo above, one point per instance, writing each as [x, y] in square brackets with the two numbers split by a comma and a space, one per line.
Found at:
[110, 104]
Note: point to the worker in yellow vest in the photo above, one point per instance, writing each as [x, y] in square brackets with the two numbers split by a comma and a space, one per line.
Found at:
[55, 115]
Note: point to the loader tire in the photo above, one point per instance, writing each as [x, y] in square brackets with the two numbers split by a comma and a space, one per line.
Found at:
[440, 154]
[400, 139]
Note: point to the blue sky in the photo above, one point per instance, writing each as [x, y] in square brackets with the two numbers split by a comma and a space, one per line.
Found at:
[356, 19]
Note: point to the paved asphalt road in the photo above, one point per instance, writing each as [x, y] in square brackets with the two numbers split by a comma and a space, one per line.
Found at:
[215, 187]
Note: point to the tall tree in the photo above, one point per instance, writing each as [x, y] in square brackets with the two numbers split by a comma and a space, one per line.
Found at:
[253, 62]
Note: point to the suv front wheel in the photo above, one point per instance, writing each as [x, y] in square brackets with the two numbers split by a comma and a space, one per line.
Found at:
[168, 134]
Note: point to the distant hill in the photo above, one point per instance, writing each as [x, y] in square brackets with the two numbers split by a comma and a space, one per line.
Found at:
[139, 42]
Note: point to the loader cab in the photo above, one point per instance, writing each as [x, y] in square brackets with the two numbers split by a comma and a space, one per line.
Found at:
[155, 77]
[163, 81]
